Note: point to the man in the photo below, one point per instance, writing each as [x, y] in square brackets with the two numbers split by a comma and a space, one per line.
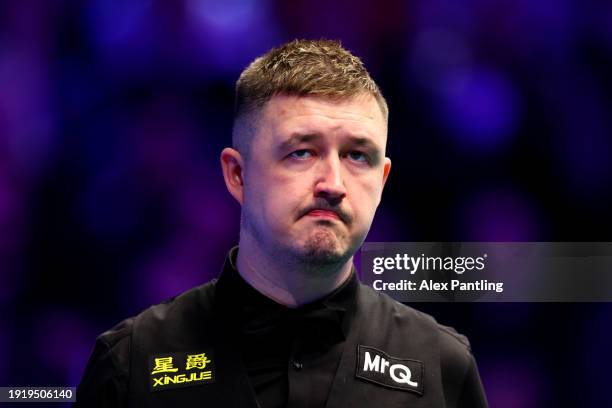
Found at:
[288, 323]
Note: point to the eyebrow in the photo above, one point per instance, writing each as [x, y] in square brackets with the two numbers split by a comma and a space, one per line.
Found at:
[366, 144]
[297, 138]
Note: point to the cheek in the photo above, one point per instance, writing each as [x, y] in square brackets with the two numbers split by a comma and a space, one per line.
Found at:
[273, 198]
[365, 199]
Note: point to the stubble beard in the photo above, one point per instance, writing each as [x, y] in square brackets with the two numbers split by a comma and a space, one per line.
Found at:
[321, 250]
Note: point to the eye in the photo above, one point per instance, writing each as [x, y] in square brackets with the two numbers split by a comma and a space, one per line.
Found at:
[358, 156]
[301, 154]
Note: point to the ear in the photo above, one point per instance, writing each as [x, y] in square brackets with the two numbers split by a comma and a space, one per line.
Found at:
[232, 165]
[386, 169]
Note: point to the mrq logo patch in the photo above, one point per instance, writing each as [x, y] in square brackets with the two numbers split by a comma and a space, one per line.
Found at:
[380, 368]
[177, 370]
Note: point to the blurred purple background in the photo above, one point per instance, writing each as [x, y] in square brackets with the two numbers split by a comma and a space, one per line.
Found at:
[113, 114]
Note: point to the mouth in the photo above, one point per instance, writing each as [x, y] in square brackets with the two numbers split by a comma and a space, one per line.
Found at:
[318, 213]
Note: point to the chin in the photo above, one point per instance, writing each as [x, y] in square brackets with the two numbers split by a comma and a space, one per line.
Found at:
[324, 248]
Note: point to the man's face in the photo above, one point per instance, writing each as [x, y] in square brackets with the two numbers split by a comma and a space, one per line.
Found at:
[315, 176]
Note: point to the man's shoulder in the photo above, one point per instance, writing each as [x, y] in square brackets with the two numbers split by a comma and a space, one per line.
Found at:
[192, 304]
[451, 342]
[406, 328]
[108, 370]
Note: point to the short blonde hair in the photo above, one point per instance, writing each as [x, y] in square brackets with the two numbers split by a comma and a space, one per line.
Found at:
[300, 68]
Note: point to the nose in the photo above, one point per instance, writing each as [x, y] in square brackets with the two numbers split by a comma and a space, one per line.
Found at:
[330, 184]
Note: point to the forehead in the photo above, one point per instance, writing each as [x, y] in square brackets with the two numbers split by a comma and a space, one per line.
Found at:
[358, 116]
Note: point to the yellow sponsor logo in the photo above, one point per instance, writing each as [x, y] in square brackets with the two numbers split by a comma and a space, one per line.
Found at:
[181, 369]
[182, 378]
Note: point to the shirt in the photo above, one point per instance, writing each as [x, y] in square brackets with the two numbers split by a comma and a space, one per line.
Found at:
[290, 355]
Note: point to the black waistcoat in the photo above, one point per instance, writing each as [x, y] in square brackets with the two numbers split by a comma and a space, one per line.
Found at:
[394, 333]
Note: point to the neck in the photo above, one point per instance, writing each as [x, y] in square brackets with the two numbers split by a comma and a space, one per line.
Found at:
[289, 283]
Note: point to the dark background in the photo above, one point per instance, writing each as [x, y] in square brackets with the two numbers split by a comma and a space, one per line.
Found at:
[113, 115]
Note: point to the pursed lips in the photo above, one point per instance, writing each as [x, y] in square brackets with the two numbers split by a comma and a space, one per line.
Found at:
[323, 213]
